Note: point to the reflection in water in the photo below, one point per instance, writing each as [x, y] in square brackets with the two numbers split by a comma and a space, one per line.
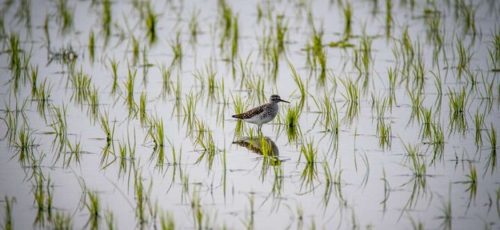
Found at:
[260, 145]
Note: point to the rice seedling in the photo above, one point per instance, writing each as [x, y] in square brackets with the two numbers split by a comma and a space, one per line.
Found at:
[81, 83]
[176, 47]
[437, 141]
[114, 70]
[417, 162]
[106, 18]
[142, 108]
[43, 197]
[239, 107]
[309, 152]
[458, 103]
[167, 221]
[24, 145]
[281, 33]
[235, 36]
[205, 140]
[469, 16]
[64, 16]
[135, 49]
[157, 134]
[478, 124]
[42, 95]
[416, 105]
[464, 58]
[151, 24]
[8, 220]
[366, 50]
[292, 122]
[300, 84]
[59, 127]
[384, 133]
[492, 157]
[74, 151]
[93, 205]
[129, 86]
[347, 12]
[110, 220]
[393, 78]
[352, 98]
[328, 182]
[388, 18]
[91, 45]
[197, 210]
[494, 52]
[251, 213]
[166, 74]
[194, 27]
[94, 103]
[189, 109]
[447, 214]
[62, 221]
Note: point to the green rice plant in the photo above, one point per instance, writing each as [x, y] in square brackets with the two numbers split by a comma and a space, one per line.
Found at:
[157, 134]
[328, 182]
[417, 162]
[42, 96]
[416, 105]
[110, 220]
[281, 33]
[447, 215]
[43, 197]
[426, 124]
[197, 210]
[194, 27]
[166, 74]
[388, 18]
[438, 85]
[34, 81]
[235, 36]
[478, 124]
[74, 151]
[142, 108]
[59, 127]
[114, 70]
[309, 152]
[176, 47]
[492, 138]
[437, 141]
[384, 133]
[366, 50]
[347, 12]
[94, 103]
[352, 98]
[129, 86]
[494, 52]
[151, 23]
[106, 18]
[24, 146]
[8, 220]
[64, 16]
[205, 140]
[62, 221]
[464, 57]
[141, 198]
[292, 122]
[469, 15]
[167, 221]
[458, 103]
[135, 49]
[189, 109]
[81, 83]
[300, 84]
[93, 205]
[393, 78]
[91, 45]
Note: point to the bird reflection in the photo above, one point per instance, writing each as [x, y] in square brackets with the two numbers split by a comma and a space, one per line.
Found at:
[261, 145]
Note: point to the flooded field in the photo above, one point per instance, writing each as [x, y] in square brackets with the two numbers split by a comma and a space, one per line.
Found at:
[118, 114]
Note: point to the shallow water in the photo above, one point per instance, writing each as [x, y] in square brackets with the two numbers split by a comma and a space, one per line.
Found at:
[355, 180]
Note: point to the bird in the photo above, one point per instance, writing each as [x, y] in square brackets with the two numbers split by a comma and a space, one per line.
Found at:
[263, 113]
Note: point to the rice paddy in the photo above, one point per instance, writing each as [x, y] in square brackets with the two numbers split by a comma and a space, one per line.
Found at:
[117, 114]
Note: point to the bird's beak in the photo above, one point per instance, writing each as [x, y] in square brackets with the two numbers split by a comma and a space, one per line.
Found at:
[285, 101]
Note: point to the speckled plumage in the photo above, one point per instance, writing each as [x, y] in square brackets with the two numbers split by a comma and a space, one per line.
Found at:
[263, 113]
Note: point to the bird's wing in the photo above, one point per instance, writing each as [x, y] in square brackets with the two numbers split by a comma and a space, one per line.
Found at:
[250, 113]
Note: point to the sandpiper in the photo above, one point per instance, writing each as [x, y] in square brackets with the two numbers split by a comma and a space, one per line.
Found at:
[263, 113]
